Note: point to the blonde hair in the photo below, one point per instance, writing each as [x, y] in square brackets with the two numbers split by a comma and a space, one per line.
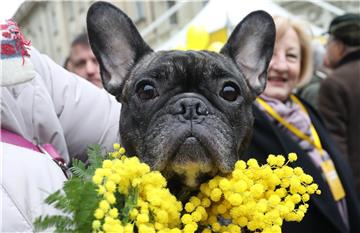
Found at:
[304, 33]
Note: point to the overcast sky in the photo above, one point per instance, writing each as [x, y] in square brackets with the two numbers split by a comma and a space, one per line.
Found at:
[8, 8]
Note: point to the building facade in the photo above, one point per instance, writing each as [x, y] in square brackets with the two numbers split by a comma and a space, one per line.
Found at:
[320, 13]
[52, 25]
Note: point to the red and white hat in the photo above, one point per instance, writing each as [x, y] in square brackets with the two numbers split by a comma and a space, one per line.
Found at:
[16, 66]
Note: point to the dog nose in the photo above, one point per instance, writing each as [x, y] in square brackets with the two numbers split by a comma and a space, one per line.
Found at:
[190, 109]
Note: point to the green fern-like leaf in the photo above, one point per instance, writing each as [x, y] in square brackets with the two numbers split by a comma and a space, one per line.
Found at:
[54, 197]
[60, 201]
[78, 198]
[78, 169]
[128, 204]
[83, 200]
[59, 222]
[95, 155]
[95, 159]
[84, 214]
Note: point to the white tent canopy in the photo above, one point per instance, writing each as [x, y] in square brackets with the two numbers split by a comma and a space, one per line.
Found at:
[218, 14]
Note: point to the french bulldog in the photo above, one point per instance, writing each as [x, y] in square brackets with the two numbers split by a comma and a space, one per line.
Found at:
[185, 113]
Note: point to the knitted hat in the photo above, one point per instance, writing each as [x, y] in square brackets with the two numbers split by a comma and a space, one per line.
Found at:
[346, 28]
[16, 66]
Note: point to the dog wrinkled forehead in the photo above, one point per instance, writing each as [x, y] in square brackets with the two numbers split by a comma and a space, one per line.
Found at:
[190, 65]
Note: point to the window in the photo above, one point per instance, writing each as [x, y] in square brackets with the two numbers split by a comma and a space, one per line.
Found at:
[139, 11]
[173, 18]
[70, 10]
[52, 16]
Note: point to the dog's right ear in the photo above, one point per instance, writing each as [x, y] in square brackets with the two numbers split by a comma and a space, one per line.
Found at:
[116, 43]
[251, 46]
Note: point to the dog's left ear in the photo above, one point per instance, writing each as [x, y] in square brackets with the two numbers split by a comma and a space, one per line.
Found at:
[116, 43]
[251, 46]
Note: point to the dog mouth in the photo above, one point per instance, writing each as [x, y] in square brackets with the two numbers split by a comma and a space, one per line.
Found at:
[190, 149]
[192, 161]
[190, 154]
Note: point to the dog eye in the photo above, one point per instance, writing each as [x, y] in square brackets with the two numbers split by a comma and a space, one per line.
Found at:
[229, 92]
[146, 91]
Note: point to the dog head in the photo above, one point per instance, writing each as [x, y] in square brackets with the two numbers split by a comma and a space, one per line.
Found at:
[185, 113]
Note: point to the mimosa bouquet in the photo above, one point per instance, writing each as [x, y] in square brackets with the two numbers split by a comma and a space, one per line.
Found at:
[116, 193]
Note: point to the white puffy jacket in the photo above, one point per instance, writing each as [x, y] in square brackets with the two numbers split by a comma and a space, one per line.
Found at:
[55, 107]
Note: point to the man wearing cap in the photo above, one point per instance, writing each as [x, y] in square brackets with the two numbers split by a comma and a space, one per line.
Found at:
[339, 94]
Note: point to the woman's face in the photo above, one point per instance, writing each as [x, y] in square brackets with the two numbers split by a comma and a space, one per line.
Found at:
[284, 68]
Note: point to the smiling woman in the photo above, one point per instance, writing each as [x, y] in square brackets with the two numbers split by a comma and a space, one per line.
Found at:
[285, 123]
[291, 64]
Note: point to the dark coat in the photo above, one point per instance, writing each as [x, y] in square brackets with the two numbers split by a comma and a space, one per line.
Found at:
[339, 104]
[322, 215]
